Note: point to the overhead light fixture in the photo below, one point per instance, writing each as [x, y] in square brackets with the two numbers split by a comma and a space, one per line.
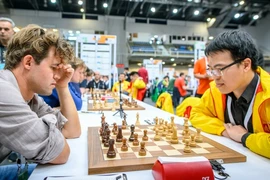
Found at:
[189, 0]
[174, 64]
[210, 37]
[175, 11]
[139, 64]
[196, 12]
[150, 42]
[105, 5]
[237, 15]
[208, 19]
[163, 62]
[55, 30]
[69, 1]
[192, 60]
[80, 2]
[256, 16]
[70, 32]
[197, 1]
[183, 39]
[53, 1]
[235, 4]
[155, 36]
[172, 59]
[82, 10]
[153, 9]
[78, 32]
[242, 2]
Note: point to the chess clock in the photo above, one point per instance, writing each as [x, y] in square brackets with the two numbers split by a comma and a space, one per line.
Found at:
[195, 168]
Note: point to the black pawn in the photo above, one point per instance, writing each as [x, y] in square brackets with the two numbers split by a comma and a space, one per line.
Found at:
[132, 128]
[111, 152]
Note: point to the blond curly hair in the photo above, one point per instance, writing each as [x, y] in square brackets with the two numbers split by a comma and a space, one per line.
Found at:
[35, 41]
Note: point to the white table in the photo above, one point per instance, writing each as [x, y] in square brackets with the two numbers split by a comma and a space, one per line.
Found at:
[256, 167]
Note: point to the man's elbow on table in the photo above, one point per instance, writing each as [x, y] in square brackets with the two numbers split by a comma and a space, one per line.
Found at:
[63, 156]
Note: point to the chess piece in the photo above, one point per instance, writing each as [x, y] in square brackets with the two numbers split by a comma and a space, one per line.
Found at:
[156, 137]
[187, 148]
[124, 145]
[142, 151]
[137, 120]
[186, 121]
[198, 137]
[107, 138]
[136, 141]
[174, 139]
[104, 133]
[119, 136]
[115, 128]
[131, 138]
[172, 121]
[111, 152]
[145, 137]
[124, 126]
[105, 103]
[192, 143]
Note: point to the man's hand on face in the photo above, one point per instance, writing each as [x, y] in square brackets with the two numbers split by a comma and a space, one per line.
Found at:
[235, 132]
[65, 73]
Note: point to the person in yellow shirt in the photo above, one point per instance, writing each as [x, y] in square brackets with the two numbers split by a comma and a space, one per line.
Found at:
[124, 84]
[237, 104]
[137, 86]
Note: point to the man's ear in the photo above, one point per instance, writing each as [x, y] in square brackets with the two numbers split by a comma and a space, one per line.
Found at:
[28, 61]
[247, 64]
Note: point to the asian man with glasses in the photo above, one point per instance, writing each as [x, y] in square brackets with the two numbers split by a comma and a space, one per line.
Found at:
[237, 104]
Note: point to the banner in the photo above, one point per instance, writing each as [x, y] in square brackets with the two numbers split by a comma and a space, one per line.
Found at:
[154, 68]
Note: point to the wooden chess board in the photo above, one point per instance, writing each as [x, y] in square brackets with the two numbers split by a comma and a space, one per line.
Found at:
[109, 106]
[130, 160]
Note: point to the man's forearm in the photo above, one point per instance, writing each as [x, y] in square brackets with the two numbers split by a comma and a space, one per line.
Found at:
[72, 128]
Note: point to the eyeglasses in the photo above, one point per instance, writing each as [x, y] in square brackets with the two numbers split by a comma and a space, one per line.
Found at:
[218, 72]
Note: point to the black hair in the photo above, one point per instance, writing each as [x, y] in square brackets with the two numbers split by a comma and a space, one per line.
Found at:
[182, 73]
[126, 68]
[239, 43]
[133, 73]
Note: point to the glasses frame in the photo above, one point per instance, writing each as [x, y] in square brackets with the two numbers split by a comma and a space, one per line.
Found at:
[225, 67]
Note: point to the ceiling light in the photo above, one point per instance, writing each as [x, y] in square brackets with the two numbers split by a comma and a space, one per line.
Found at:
[153, 9]
[139, 64]
[175, 11]
[150, 42]
[192, 60]
[256, 16]
[70, 32]
[235, 4]
[189, 0]
[174, 64]
[80, 2]
[172, 59]
[197, 1]
[183, 39]
[242, 2]
[69, 1]
[208, 19]
[163, 62]
[237, 15]
[196, 12]
[105, 5]
[210, 37]
[82, 10]
[55, 30]
[53, 1]
[155, 36]
[78, 32]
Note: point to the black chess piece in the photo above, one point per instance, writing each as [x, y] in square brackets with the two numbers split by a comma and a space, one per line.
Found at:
[111, 152]
[119, 136]
[132, 128]
[106, 143]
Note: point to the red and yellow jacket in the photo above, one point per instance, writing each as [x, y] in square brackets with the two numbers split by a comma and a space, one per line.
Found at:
[209, 115]
[164, 102]
[137, 89]
[124, 87]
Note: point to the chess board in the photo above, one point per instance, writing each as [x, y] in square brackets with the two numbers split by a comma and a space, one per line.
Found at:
[130, 160]
[110, 106]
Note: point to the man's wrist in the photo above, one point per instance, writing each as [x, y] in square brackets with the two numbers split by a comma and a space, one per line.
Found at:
[244, 138]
